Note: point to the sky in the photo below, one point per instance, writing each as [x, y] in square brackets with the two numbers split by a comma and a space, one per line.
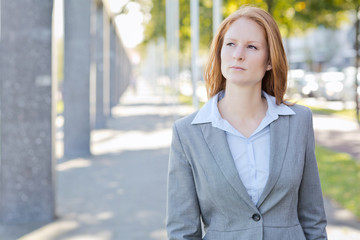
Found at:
[58, 26]
[129, 25]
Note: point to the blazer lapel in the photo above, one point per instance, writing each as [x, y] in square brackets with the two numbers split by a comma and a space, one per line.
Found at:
[279, 135]
[216, 140]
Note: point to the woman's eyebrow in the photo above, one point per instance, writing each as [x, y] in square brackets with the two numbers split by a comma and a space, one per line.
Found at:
[250, 41]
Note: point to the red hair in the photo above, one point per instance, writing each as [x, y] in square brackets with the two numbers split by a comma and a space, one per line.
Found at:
[274, 81]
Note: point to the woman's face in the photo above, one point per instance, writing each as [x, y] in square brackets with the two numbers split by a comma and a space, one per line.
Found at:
[244, 53]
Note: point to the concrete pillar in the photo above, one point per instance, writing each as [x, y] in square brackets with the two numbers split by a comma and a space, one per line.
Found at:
[27, 113]
[119, 68]
[127, 73]
[113, 96]
[77, 46]
[125, 68]
[195, 37]
[217, 15]
[106, 66]
[172, 39]
[99, 117]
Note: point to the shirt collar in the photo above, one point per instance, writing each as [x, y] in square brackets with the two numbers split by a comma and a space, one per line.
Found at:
[210, 112]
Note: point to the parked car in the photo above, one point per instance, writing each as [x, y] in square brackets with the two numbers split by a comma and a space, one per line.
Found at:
[310, 87]
[303, 83]
[293, 78]
[332, 85]
[349, 83]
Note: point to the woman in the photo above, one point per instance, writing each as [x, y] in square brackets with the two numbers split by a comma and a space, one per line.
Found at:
[244, 165]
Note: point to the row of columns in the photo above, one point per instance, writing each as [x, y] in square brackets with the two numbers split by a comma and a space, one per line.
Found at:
[96, 73]
[110, 62]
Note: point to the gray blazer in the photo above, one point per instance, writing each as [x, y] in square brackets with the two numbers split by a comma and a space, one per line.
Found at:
[204, 185]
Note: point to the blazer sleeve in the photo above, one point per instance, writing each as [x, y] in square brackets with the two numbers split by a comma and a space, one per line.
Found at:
[311, 206]
[183, 212]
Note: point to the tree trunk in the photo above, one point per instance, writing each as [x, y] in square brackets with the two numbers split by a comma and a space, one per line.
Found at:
[270, 4]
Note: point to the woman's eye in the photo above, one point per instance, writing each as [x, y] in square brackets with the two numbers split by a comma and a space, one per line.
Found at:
[230, 44]
[252, 47]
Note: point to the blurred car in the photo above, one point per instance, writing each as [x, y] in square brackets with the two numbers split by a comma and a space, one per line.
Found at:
[303, 83]
[332, 85]
[349, 83]
[310, 87]
[293, 77]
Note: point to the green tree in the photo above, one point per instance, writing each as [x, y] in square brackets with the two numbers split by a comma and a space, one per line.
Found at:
[156, 27]
[293, 17]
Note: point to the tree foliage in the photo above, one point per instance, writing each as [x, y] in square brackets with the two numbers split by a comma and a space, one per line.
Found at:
[156, 27]
[294, 17]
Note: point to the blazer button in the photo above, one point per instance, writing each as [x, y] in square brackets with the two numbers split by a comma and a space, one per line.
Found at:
[256, 217]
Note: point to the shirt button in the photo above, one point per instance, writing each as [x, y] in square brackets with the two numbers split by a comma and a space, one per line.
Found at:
[256, 217]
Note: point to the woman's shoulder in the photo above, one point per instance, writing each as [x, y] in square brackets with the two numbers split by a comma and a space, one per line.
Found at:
[303, 115]
[301, 111]
[185, 122]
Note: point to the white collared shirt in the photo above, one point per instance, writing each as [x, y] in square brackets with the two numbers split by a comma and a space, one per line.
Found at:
[251, 155]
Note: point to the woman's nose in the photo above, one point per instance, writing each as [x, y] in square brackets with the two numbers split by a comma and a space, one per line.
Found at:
[239, 53]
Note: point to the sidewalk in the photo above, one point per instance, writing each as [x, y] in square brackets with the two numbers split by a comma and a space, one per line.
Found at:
[119, 193]
[340, 134]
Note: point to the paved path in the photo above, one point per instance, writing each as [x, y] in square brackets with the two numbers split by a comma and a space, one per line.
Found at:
[341, 135]
[338, 133]
[119, 192]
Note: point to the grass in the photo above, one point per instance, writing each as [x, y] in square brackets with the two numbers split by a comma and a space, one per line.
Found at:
[340, 177]
[348, 113]
[183, 99]
[59, 107]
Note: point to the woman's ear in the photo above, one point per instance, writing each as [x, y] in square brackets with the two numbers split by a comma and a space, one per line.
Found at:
[268, 67]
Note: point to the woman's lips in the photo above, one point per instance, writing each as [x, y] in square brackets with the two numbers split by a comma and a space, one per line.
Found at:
[238, 68]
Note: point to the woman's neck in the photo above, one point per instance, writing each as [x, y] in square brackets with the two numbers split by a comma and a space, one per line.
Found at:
[243, 103]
